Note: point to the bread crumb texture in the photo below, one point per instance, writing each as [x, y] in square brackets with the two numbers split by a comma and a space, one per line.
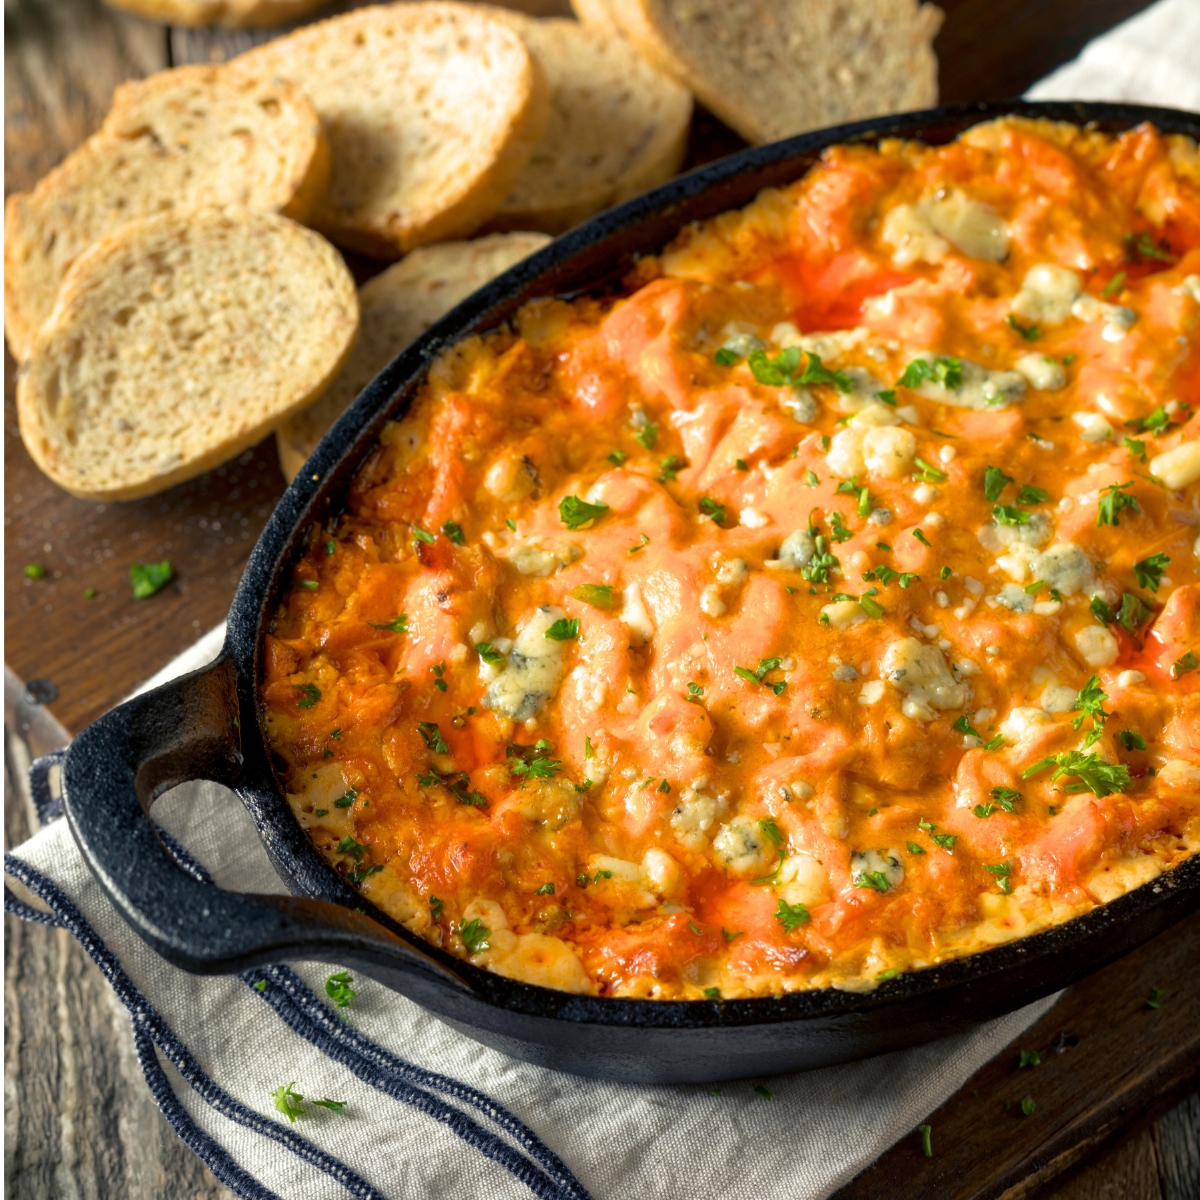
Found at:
[184, 138]
[177, 342]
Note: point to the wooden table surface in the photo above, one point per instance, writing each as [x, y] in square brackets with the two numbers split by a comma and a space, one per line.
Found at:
[77, 1120]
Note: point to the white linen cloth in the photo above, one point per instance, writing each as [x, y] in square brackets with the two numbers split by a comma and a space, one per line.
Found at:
[429, 1113]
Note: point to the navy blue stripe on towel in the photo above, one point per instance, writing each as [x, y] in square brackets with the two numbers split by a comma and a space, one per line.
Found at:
[291, 998]
[147, 1020]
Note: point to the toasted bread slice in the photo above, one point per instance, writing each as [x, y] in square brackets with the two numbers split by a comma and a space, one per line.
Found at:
[178, 341]
[232, 14]
[192, 136]
[397, 307]
[774, 68]
[596, 14]
[431, 110]
[617, 126]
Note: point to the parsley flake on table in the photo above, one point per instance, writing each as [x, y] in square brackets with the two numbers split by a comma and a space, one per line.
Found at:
[338, 989]
[37, 571]
[926, 1132]
[1094, 774]
[1156, 995]
[1029, 1058]
[579, 514]
[333, 1105]
[1028, 1106]
[147, 578]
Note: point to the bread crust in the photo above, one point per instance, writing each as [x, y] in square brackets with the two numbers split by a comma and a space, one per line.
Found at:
[229, 14]
[130, 368]
[428, 129]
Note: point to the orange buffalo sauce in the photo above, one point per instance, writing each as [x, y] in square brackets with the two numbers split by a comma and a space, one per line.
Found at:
[823, 608]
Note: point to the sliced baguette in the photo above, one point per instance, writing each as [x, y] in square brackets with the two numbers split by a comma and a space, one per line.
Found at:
[431, 109]
[617, 126]
[191, 136]
[774, 68]
[232, 14]
[397, 307]
[178, 341]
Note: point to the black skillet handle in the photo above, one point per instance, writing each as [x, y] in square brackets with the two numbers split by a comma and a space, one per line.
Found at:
[189, 729]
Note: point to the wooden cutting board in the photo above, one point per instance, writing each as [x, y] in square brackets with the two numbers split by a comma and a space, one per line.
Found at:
[1109, 1064]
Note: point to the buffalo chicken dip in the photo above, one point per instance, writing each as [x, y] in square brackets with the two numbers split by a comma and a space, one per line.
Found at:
[822, 607]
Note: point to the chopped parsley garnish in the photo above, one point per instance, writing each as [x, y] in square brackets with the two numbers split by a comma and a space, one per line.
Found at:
[945, 840]
[646, 435]
[395, 625]
[885, 976]
[712, 993]
[730, 934]
[926, 1132]
[758, 674]
[883, 573]
[921, 538]
[810, 479]
[1030, 333]
[994, 482]
[532, 762]
[782, 370]
[1094, 774]
[260, 986]
[726, 358]
[664, 787]
[695, 691]
[346, 800]
[821, 563]
[790, 916]
[1149, 570]
[453, 532]
[579, 514]
[439, 670]
[762, 1091]
[349, 846]
[850, 487]
[311, 692]
[37, 571]
[695, 928]
[713, 510]
[887, 396]
[331, 547]
[1090, 703]
[1156, 424]
[597, 595]
[641, 545]
[1114, 285]
[309, 585]
[475, 935]
[913, 848]
[565, 629]
[1184, 664]
[875, 880]
[671, 466]
[433, 737]
[963, 725]
[1113, 502]
[945, 572]
[928, 473]
[1156, 995]
[423, 535]
[436, 905]
[1131, 615]
[288, 1101]
[1003, 874]
[871, 607]
[547, 889]
[338, 989]
[837, 528]
[1131, 740]
[332, 1105]
[1142, 246]
[617, 457]
[1006, 797]
[945, 371]
[1005, 514]
[1028, 1106]
[489, 653]
[321, 812]
[774, 835]
[1029, 1058]
[145, 578]
[1032, 495]
[1135, 447]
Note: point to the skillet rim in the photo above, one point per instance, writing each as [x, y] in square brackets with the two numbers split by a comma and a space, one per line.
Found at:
[314, 497]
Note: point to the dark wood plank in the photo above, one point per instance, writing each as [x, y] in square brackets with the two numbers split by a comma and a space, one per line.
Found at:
[1177, 1144]
[1126, 1172]
[1109, 1065]
[993, 49]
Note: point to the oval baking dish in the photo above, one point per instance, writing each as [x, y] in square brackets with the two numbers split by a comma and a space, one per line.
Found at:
[210, 725]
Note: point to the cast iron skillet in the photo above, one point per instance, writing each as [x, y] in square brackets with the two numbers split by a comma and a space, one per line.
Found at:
[208, 726]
